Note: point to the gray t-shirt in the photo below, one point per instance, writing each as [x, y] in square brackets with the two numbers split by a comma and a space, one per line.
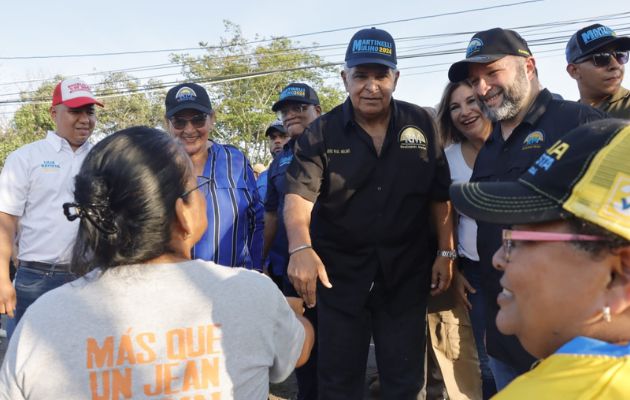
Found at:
[191, 330]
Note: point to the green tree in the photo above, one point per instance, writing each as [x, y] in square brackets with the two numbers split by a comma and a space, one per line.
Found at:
[127, 104]
[34, 116]
[31, 121]
[244, 80]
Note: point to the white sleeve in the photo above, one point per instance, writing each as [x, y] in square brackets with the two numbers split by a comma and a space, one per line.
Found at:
[9, 388]
[288, 340]
[14, 183]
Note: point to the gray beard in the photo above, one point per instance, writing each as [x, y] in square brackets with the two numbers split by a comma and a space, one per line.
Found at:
[513, 99]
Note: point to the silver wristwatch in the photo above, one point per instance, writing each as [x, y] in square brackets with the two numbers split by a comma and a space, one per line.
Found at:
[452, 254]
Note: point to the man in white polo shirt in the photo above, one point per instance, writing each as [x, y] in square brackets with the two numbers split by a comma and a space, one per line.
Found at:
[34, 183]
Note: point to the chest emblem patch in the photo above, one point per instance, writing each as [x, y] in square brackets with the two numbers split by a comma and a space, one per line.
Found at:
[411, 137]
[534, 140]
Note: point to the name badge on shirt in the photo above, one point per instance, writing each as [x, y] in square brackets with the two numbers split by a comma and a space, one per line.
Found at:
[50, 166]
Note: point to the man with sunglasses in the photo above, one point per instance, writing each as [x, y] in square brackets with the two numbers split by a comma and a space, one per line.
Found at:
[596, 57]
[234, 208]
[297, 106]
[502, 71]
[35, 181]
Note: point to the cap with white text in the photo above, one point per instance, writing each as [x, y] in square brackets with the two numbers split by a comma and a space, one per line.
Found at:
[592, 38]
[74, 93]
[371, 46]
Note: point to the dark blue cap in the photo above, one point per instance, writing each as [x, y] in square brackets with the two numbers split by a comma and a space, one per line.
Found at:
[297, 93]
[187, 96]
[488, 46]
[371, 46]
[588, 40]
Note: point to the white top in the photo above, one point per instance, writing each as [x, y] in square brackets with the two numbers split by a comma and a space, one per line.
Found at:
[191, 330]
[466, 227]
[35, 182]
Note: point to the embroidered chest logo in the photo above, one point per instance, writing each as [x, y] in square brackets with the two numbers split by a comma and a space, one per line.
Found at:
[50, 166]
[412, 137]
[534, 140]
[285, 160]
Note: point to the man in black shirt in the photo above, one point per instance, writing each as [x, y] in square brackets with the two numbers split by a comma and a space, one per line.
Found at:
[500, 66]
[371, 176]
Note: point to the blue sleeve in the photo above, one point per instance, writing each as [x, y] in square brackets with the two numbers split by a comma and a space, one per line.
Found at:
[272, 200]
[256, 220]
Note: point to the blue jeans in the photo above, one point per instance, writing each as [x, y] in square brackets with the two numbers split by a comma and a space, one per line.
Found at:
[29, 285]
[503, 373]
[472, 272]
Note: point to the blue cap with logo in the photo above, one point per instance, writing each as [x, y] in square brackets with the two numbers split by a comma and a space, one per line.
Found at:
[488, 46]
[297, 93]
[594, 37]
[187, 96]
[371, 46]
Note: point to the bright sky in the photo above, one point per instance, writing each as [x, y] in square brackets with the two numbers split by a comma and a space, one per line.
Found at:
[46, 28]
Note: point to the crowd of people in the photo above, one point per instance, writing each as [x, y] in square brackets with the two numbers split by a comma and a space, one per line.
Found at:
[482, 246]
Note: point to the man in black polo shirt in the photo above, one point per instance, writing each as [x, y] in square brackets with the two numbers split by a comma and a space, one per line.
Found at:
[372, 174]
[297, 106]
[500, 66]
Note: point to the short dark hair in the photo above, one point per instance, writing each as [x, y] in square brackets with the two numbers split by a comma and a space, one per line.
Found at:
[595, 248]
[448, 132]
[125, 194]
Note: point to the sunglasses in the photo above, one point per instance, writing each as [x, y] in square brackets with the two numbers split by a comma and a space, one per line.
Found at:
[510, 236]
[198, 121]
[603, 59]
[295, 108]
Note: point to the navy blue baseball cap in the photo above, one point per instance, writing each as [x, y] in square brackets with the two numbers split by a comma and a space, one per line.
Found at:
[488, 46]
[588, 40]
[187, 96]
[276, 126]
[371, 46]
[297, 93]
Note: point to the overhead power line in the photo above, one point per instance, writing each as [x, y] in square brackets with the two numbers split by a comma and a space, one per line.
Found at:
[173, 50]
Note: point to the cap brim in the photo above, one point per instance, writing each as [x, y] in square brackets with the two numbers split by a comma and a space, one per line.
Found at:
[622, 44]
[81, 101]
[459, 71]
[272, 129]
[294, 99]
[370, 60]
[187, 106]
[504, 203]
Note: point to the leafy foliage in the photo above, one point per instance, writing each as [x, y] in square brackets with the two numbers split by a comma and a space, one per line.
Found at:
[245, 81]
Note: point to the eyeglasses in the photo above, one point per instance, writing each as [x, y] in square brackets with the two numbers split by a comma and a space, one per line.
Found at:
[603, 59]
[198, 121]
[511, 236]
[295, 108]
[204, 187]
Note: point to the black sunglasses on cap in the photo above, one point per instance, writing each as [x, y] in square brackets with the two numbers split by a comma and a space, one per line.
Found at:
[603, 59]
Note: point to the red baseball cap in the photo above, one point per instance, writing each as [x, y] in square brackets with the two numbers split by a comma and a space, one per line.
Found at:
[74, 93]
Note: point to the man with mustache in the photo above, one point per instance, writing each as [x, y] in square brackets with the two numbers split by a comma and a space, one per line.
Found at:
[502, 71]
[366, 182]
[35, 182]
[596, 57]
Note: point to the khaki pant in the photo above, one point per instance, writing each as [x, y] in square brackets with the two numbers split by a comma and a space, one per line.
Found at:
[451, 344]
